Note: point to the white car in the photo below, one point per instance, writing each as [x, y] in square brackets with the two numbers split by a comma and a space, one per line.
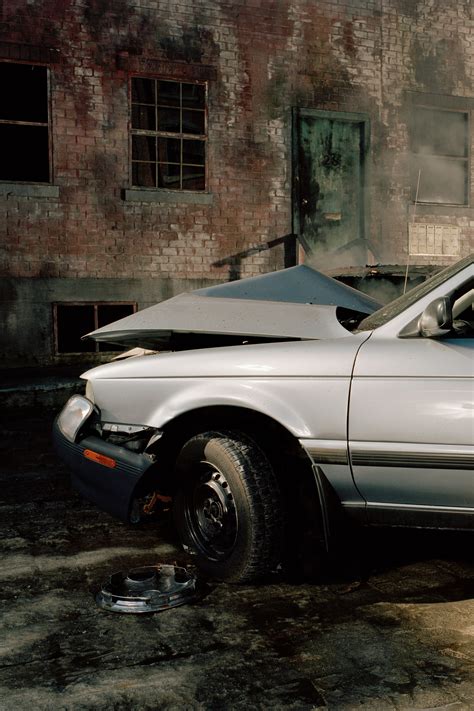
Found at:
[376, 412]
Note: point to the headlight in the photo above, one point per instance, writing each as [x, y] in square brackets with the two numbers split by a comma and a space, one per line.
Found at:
[89, 391]
[74, 414]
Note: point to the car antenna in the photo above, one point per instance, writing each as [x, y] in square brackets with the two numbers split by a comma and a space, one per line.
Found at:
[412, 222]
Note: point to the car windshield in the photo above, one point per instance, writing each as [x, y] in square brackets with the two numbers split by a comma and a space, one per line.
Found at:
[386, 313]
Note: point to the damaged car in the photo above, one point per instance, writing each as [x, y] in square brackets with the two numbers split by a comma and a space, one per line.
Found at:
[275, 380]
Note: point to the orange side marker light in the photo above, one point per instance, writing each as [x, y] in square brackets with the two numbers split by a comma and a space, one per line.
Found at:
[100, 458]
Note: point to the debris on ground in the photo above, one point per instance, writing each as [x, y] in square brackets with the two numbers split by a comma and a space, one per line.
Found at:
[147, 589]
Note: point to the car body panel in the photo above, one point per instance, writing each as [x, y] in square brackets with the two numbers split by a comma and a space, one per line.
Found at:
[387, 421]
[188, 314]
[428, 407]
[301, 284]
[415, 411]
[112, 489]
[294, 303]
[302, 385]
[411, 420]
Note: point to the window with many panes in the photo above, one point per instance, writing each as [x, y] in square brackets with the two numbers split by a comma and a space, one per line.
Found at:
[168, 134]
[24, 123]
[73, 320]
[440, 156]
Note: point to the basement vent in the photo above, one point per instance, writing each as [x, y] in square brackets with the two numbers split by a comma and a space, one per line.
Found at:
[74, 319]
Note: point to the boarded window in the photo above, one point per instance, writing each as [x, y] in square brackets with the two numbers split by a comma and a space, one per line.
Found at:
[74, 320]
[168, 134]
[440, 163]
[24, 123]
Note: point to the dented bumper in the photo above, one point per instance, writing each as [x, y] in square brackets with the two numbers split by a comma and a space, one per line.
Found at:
[104, 473]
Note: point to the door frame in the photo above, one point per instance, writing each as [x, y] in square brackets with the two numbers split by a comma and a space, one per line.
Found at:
[349, 117]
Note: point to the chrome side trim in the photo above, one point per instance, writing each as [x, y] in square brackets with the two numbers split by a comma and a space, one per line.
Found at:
[328, 452]
[417, 507]
[390, 454]
[413, 460]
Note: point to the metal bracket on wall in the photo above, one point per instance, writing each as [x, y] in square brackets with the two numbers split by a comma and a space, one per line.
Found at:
[234, 261]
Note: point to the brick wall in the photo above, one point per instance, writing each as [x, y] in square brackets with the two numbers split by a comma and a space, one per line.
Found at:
[263, 57]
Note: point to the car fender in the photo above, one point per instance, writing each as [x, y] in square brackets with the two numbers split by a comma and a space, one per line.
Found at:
[286, 403]
[304, 388]
[270, 399]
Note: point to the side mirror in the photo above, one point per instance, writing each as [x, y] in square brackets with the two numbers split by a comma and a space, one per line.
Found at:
[436, 319]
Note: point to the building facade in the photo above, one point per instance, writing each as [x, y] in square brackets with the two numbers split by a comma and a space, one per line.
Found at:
[151, 147]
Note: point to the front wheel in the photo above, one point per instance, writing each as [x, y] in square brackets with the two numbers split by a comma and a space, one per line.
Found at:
[227, 509]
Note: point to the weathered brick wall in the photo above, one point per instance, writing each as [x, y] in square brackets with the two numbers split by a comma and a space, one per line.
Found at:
[269, 56]
[428, 49]
[89, 230]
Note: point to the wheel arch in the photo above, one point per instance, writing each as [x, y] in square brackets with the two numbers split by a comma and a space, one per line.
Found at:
[261, 428]
[291, 463]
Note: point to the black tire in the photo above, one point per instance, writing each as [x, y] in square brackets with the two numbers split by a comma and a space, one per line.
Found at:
[227, 509]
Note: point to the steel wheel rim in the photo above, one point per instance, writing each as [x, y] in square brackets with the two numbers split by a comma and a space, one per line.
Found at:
[211, 513]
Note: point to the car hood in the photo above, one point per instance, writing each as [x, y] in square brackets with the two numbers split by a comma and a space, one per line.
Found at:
[293, 304]
[310, 358]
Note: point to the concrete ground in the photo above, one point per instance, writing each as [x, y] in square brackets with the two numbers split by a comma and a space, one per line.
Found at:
[391, 629]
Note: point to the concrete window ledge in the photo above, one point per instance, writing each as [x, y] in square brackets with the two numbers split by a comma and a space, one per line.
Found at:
[454, 211]
[29, 190]
[167, 196]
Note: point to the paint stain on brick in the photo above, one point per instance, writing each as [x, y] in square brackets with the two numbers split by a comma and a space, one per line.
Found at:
[439, 65]
[348, 39]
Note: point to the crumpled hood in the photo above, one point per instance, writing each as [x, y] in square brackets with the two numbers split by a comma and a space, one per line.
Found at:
[293, 304]
[264, 360]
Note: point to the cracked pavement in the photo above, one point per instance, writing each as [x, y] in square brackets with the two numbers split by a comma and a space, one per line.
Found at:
[391, 628]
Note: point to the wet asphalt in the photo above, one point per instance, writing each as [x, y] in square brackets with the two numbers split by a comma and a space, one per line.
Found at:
[388, 626]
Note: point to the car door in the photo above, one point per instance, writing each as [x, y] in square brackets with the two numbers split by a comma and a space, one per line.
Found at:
[411, 421]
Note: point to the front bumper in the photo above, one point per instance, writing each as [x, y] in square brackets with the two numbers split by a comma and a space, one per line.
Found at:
[110, 488]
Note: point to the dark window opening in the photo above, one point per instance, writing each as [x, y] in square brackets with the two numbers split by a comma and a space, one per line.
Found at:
[24, 123]
[168, 141]
[439, 156]
[74, 320]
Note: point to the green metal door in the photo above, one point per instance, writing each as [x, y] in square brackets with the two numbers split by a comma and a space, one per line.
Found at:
[329, 180]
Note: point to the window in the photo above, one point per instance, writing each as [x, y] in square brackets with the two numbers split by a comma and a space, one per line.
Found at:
[439, 145]
[24, 123]
[168, 127]
[74, 320]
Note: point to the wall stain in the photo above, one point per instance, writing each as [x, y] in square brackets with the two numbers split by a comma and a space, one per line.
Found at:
[192, 46]
[100, 19]
[441, 66]
[348, 39]
[409, 8]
